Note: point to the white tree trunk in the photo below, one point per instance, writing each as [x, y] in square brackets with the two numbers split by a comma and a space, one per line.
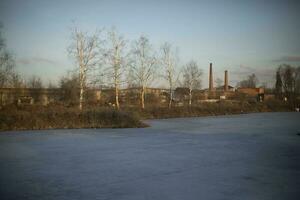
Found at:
[82, 84]
[143, 97]
[81, 99]
[116, 85]
[190, 99]
[117, 97]
[171, 98]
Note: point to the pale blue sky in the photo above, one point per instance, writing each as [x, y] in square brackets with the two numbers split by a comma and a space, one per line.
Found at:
[241, 36]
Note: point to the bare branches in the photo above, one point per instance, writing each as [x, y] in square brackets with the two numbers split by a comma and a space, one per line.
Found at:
[116, 60]
[86, 49]
[34, 82]
[192, 78]
[7, 64]
[289, 81]
[192, 75]
[250, 82]
[143, 65]
[168, 62]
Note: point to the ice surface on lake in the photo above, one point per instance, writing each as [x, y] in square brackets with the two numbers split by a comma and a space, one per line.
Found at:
[251, 156]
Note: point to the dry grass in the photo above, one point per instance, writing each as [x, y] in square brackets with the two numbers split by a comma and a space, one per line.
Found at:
[32, 118]
[208, 109]
[59, 116]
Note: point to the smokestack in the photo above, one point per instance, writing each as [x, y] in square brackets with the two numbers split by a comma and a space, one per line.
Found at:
[226, 81]
[211, 86]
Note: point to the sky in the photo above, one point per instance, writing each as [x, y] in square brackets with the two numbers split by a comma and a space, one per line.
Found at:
[243, 37]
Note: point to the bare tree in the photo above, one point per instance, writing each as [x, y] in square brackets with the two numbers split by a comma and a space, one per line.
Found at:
[290, 77]
[51, 85]
[6, 69]
[192, 78]
[34, 82]
[116, 61]
[278, 84]
[2, 42]
[131, 79]
[85, 49]
[143, 65]
[16, 81]
[168, 62]
[7, 63]
[297, 80]
[250, 82]
[69, 85]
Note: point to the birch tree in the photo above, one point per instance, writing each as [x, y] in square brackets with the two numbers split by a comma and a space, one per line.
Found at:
[85, 49]
[192, 78]
[168, 62]
[116, 61]
[143, 65]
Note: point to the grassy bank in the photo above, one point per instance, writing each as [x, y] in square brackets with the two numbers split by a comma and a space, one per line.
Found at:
[34, 118]
[53, 117]
[210, 109]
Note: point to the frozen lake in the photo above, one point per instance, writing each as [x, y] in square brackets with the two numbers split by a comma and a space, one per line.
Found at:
[253, 156]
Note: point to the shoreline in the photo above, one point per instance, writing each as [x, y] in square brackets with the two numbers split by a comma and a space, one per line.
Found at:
[144, 122]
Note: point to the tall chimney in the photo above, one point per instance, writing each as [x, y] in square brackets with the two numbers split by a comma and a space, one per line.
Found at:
[226, 81]
[211, 86]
